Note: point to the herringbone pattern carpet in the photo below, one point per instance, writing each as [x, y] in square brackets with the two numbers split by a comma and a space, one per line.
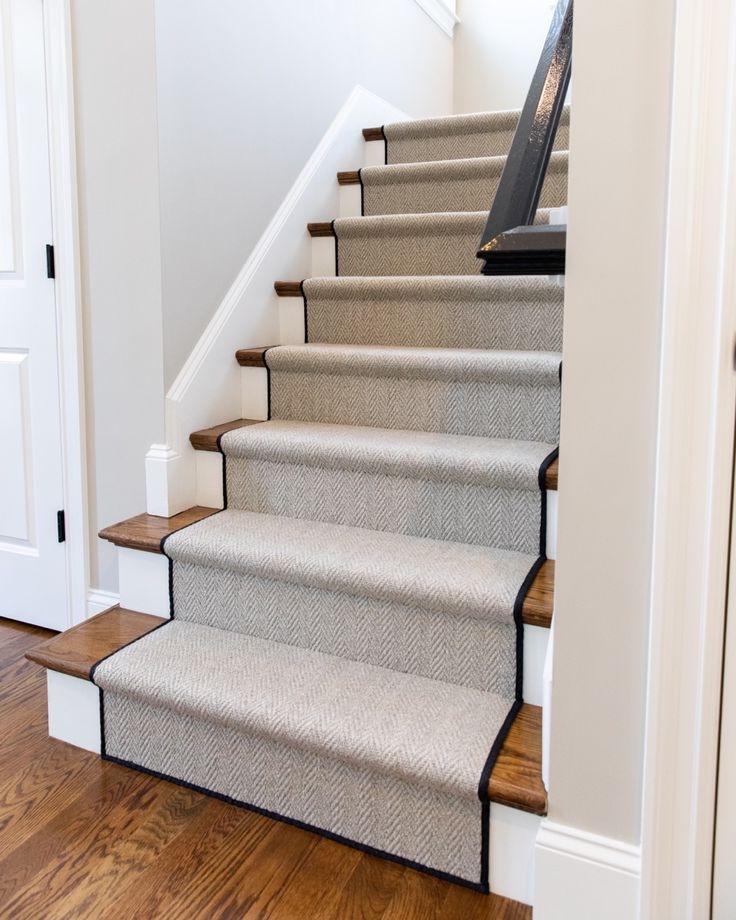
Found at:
[345, 649]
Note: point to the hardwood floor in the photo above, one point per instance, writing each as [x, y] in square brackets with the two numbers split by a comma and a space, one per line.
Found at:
[83, 838]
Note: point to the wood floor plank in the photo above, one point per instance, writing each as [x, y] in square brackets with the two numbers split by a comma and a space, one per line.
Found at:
[370, 889]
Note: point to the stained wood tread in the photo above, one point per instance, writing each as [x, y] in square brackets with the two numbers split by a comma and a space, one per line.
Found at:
[208, 438]
[516, 779]
[252, 357]
[146, 531]
[77, 650]
[349, 177]
[321, 228]
[373, 134]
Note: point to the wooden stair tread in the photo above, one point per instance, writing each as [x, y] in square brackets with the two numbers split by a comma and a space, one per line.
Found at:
[78, 649]
[146, 531]
[537, 607]
[252, 357]
[349, 177]
[288, 288]
[207, 438]
[373, 134]
[516, 779]
[321, 228]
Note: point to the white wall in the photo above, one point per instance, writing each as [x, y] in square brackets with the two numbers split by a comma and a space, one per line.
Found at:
[619, 153]
[245, 92]
[497, 47]
[115, 99]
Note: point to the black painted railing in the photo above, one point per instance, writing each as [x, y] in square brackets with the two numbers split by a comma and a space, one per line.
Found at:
[511, 244]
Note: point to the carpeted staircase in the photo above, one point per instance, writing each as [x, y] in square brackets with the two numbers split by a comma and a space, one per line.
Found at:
[346, 644]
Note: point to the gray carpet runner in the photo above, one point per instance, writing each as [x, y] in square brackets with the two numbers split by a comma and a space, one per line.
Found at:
[345, 651]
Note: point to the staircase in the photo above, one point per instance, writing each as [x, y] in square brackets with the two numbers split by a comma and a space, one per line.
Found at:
[356, 640]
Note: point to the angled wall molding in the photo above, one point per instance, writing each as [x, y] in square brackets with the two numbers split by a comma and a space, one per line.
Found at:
[441, 12]
[207, 390]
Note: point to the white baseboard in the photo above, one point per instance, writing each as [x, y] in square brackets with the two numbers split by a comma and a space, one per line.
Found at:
[207, 390]
[97, 601]
[580, 875]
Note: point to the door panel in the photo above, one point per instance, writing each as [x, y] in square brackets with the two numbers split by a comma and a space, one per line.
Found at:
[33, 584]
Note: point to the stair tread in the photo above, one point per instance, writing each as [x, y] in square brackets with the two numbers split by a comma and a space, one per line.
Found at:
[463, 364]
[475, 288]
[78, 649]
[146, 531]
[516, 778]
[472, 122]
[416, 729]
[443, 222]
[208, 438]
[447, 578]
[436, 171]
[421, 455]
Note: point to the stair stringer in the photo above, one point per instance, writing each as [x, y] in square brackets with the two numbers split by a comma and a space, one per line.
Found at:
[207, 389]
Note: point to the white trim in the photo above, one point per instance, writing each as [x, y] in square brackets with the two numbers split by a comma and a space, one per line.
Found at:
[207, 390]
[581, 875]
[97, 601]
[74, 710]
[693, 475]
[62, 156]
[442, 13]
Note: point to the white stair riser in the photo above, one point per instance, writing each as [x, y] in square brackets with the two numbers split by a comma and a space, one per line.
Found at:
[144, 581]
[323, 257]
[349, 204]
[74, 717]
[375, 153]
[144, 586]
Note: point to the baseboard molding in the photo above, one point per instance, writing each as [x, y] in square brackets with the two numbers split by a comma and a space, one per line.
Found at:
[581, 875]
[443, 14]
[207, 389]
[97, 601]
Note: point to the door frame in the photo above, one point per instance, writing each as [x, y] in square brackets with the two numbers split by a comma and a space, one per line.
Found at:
[693, 469]
[65, 228]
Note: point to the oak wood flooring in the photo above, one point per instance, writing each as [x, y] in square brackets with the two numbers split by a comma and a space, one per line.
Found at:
[83, 838]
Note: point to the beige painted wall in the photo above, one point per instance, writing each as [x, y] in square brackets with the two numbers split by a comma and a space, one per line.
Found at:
[613, 307]
[246, 91]
[115, 99]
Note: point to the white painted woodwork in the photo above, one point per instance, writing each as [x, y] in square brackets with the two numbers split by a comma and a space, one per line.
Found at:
[254, 392]
[73, 710]
[512, 838]
[349, 204]
[536, 639]
[144, 581]
[579, 875]
[209, 479]
[375, 152]
[291, 320]
[32, 562]
[323, 257]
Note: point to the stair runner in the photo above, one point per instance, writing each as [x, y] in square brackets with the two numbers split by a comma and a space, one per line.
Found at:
[345, 651]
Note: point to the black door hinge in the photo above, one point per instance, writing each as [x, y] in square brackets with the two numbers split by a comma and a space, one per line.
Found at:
[50, 267]
[61, 526]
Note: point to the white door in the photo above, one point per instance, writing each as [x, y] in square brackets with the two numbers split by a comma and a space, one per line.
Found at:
[33, 585]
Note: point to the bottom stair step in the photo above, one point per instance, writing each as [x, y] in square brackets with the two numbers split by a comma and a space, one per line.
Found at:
[393, 762]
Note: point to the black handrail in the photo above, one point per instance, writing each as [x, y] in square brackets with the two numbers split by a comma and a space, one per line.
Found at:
[509, 240]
